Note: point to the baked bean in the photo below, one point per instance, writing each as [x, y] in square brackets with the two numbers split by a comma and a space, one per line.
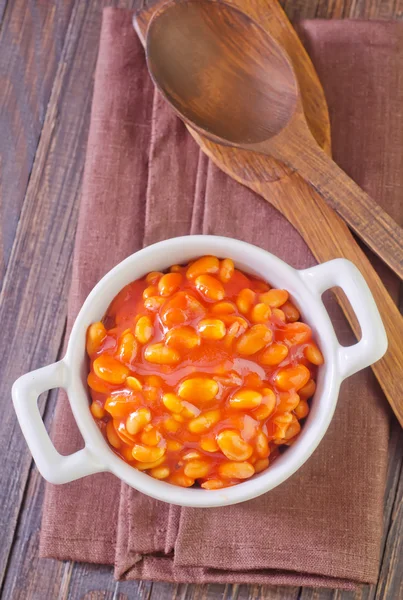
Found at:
[245, 399]
[233, 446]
[159, 472]
[297, 333]
[245, 300]
[274, 298]
[262, 445]
[204, 265]
[172, 403]
[160, 354]
[308, 390]
[236, 470]
[198, 389]
[199, 374]
[169, 283]
[96, 384]
[226, 270]
[260, 313]
[182, 338]
[120, 405]
[212, 484]
[223, 308]
[134, 383]
[290, 311]
[204, 422]
[147, 453]
[144, 330]
[301, 410]
[313, 354]
[181, 479]
[292, 378]
[109, 369]
[95, 336]
[151, 291]
[274, 355]
[211, 329]
[137, 420]
[146, 466]
[112, 436]
[267, 405]
[253, 340]
[261, 465]
[153, 277]
[97, 410]
[197, 469]
[127, 349]
[210, 287]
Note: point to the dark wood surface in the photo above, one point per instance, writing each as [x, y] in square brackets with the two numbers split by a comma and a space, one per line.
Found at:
[48, 51]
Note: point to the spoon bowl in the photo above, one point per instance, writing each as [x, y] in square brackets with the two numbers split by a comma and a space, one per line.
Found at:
[219, 61]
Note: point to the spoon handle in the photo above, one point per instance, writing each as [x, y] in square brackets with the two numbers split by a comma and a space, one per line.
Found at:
[328, 237]
[369, 221]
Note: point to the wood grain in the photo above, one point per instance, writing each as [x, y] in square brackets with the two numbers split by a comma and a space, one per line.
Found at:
[37, 30]
[68, 114]
[341, 9]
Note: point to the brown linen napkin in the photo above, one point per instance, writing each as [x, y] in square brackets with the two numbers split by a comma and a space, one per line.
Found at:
[146, 180]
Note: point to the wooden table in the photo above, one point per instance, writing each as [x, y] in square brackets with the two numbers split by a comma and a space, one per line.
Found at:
[48, 51]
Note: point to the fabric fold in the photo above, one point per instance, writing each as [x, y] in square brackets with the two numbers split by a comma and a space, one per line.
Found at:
[146, 180]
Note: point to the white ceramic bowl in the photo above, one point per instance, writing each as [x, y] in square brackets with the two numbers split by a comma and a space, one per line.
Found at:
[306, 288]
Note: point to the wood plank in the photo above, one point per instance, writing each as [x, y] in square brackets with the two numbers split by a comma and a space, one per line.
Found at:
[34, 297]
[27, 576]
[263, 592]
[390, 583]
[338, 9]
[96, 582]
[31, 41]
[161, 591]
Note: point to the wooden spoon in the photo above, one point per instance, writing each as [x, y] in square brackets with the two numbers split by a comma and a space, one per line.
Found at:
[232, 82]
[297, 200]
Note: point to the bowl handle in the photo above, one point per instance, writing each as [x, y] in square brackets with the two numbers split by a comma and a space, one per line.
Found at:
[54, 467]
[373, 343]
